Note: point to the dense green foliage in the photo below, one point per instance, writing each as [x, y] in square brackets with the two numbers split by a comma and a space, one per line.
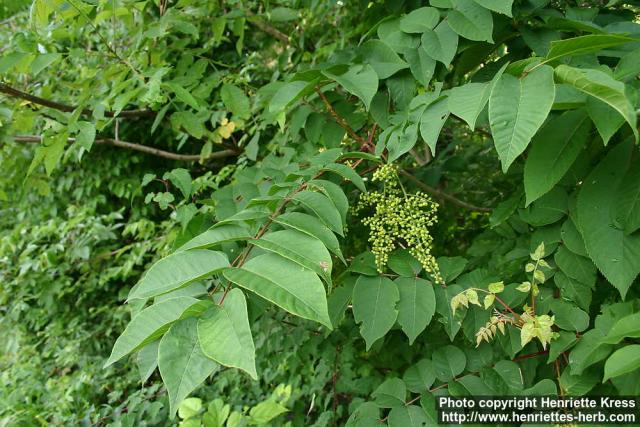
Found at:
[314, 213]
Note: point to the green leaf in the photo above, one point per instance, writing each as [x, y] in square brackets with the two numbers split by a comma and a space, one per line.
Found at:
[391, 34]
[517, 109]
[183, 95]
[382, 58]
[569, 317]
[300, 248]
[564, 342]
[183, 366]
[266, 411]
[448, 362]
[86, 134]
[235, 100]
[347, 173]
[39, 13]
[578, 385]
[147, 360]
[407, 416]
[322, 207]
[628, 67]
[420, 376]
[451, 267]
[575, 266]
[225, 334]
[287, 94]
[390, 394]
[599, 85]
[334, 193]
[606, 119]
[553, 151]
[359, 80]
[588, 351]
[181, 178]
[441, 43]
[583, 45]
[178, 270]
[374, 306]
[622, 361]
[148, 325]
[572, 239]
[468, 101]
[189, 408]
[43, 61]
[420, 20]
[573, 290]
[616, 254]
[626, 207]
[500, 6]
[471, 20]
[403, 263]
[431, 122]
[416, 307]
[284, 283]
[313, 227]
[421, 64]
[215, 236]
[626, 327]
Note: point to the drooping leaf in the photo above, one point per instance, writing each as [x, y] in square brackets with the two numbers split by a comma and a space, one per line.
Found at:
[584, 44]
[553, 151]
[420, 376]
[422, 66]
[284, 283]
[322, 207]
[420, 20]
[147, 360]
[300, 248]
[374, 306]
[441, 43]
[448, 362]
[471, 21]
[313, 227]
[382, 58]
[216, 235]
[416, 306]
[622, 361]
[626, 327]
[601, 86]
[409, 416]
[431, 122]
[616, 254]
[606, 119]
[183, 366]
[517, 109]
[149, 325]
[500, 6]
[225, 335]
[347, 173]
[177, 270]
[359, 80]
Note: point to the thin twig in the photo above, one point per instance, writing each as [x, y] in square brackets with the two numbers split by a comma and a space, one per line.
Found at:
[442, 195]
[341, 122]
[11, 91]
[264, 27]
[139, 147]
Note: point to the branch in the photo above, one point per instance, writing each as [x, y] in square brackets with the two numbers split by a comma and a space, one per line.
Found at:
[11, 91]
[442, 195]
[264, 27]
[138, 147]
[341, 122]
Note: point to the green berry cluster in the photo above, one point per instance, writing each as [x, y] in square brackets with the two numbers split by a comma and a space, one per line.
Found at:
[399, 219]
